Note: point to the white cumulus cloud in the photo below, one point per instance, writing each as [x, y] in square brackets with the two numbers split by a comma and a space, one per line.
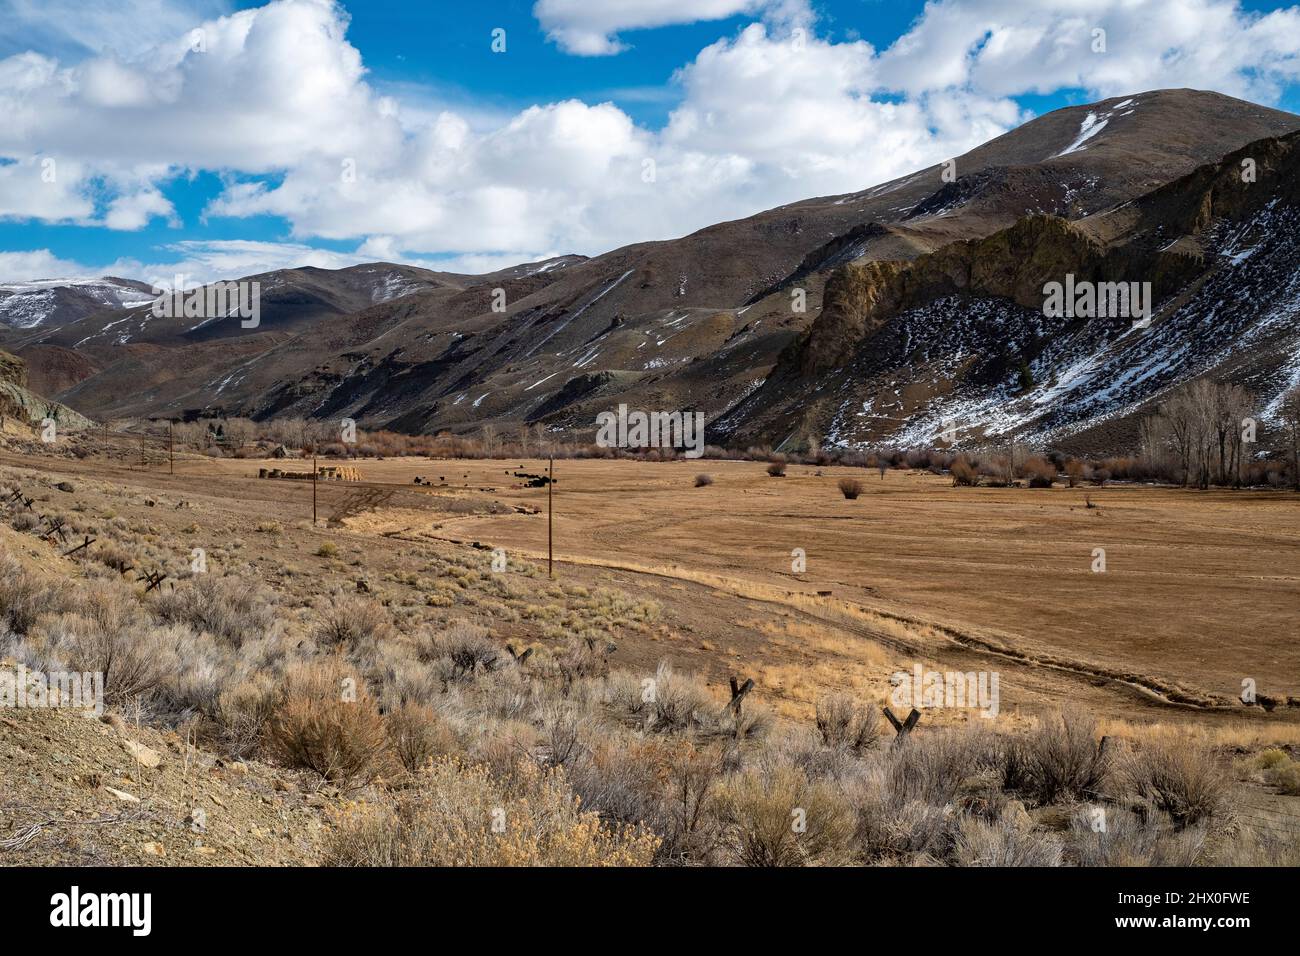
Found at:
[591, 27]
[277, 102]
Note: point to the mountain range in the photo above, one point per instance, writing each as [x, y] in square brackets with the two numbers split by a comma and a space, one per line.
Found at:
[884, 316]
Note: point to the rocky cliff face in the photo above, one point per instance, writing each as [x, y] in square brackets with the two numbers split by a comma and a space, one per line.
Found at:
[18, 402]
[13, 370]
[949, 335]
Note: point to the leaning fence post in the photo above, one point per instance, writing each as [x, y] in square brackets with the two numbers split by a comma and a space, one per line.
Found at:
[738, 692]
[904, 727]
[517, 657]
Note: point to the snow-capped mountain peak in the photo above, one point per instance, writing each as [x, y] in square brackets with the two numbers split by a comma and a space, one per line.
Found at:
[53, 302]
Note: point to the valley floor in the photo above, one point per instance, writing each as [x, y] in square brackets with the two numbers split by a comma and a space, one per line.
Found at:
[1199, 591]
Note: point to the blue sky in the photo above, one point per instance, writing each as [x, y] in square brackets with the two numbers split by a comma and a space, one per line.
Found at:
[599, 124]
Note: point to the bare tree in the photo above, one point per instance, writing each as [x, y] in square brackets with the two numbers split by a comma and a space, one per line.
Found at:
[1233, 405]
[541, 440]
[1155, 441]
[1203, 420]
[191, 435]
[239, 431]
[1290, 413]
[1179, 416]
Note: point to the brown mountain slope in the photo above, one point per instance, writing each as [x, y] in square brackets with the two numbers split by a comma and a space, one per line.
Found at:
[696, 322]
[905, 350]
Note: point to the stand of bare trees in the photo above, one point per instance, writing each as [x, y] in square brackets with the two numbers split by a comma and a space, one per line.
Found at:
[1205, 428]
[1290, 412]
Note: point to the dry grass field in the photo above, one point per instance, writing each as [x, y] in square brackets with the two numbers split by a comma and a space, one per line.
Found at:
[1199, 592]
[1200, 589]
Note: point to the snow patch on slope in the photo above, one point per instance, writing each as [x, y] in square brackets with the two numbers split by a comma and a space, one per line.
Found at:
[26, 305]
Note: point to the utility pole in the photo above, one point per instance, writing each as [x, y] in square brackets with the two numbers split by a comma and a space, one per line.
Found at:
[106, 454]
[550, 519]
[142, 461]
[314, 472]
[171, 454]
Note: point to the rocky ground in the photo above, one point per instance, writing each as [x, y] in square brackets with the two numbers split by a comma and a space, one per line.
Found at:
[77, 790]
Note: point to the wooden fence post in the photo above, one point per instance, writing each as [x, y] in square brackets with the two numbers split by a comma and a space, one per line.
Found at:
[904, 727]
[738, 692]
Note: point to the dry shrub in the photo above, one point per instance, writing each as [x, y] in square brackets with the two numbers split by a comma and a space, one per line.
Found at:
[393, 668]
[843, 723]
[1039, 471]
[701, 480]
[1180, 777]
[228, 608]
[500, 745]
[195, 670]
[754, 722]
[1060, 759]
[1074, 470]
[24, 596]
[464, 815]
[470, 650]
[911, 798]
[328, 723]
[350, 622]
[621, 779]
[963, 473]
[1259, 845]
[1130, 840]
[892, 826]
[1270, 759]
[114, 556]
[242, 713]
[25, 521]
[111, 605]
[668, 703]
[774, 816]
[129, 653]
[418, 735]
[680, 702]
[128, 659]
[818, 761]
[460, 652]
[691, 828]
[510, 694]
[1003, 843]
[1275, 767]
[776, 469]
[915, 832]
[583, 658]
[932, 767]
[850, 488]
[1286, 779]
[565, 729]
